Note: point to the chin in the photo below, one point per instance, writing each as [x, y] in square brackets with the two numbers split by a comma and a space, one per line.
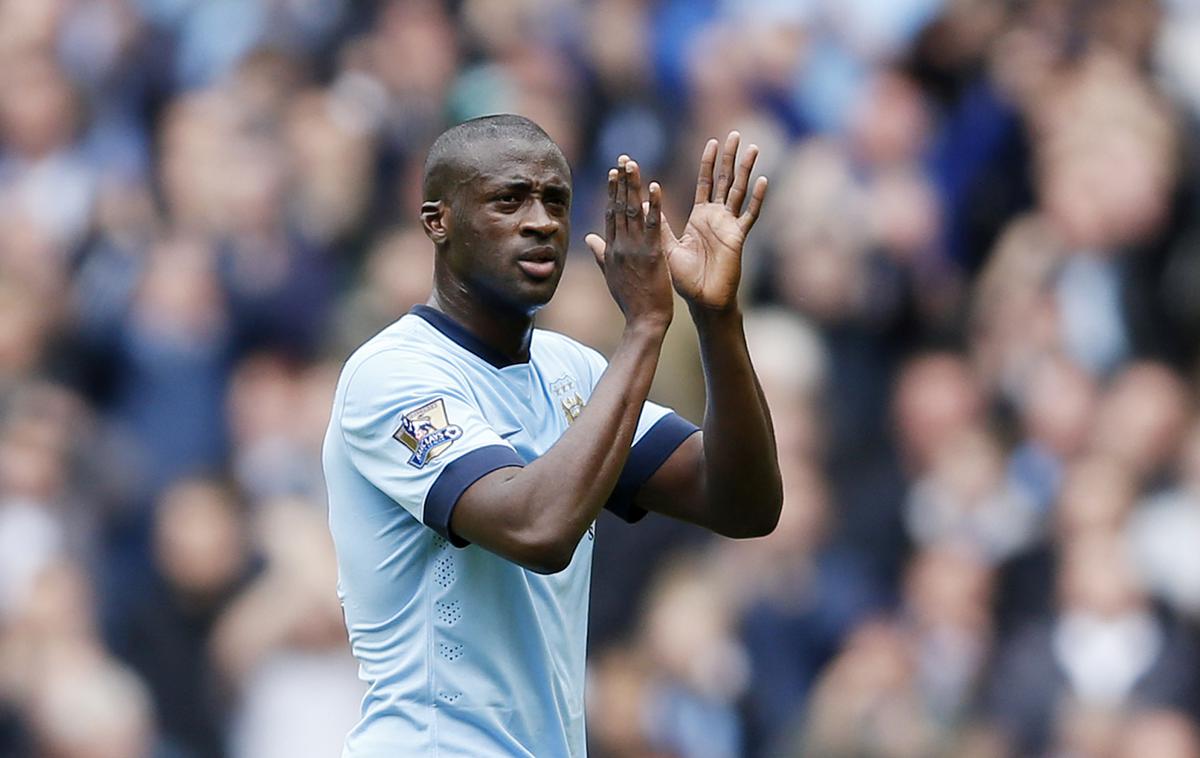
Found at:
[526, 298]
[538, 301]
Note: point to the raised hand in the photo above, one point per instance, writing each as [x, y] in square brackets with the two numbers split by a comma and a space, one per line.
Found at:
[706, 260]
[631, 253]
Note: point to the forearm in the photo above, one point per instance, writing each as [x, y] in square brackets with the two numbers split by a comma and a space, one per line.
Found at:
[742, 488]
[550, 503]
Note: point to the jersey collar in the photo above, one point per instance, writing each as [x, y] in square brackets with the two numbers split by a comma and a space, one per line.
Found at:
[458, 334]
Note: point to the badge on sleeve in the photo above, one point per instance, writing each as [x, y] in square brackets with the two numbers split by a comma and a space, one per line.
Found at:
[427, 432]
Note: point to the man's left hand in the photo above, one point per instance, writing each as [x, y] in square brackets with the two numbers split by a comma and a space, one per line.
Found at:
[706, 260]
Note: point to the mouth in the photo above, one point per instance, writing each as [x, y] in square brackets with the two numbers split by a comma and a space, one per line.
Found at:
[539, 263]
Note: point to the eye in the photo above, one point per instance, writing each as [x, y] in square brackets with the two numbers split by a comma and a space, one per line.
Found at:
[508, 200]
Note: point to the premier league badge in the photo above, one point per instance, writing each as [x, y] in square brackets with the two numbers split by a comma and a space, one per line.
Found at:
[427, 432]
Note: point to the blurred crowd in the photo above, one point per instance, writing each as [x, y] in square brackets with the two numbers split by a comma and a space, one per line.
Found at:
[972, 299]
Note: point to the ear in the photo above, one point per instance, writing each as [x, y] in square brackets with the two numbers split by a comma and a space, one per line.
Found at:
[435, 219]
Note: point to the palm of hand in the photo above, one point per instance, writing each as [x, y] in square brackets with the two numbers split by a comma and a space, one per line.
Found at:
[706, 260]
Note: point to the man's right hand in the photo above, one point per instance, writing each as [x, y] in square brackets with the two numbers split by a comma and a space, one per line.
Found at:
[631, 253]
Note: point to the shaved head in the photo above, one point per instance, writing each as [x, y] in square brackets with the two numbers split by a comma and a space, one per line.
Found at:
[457, 151]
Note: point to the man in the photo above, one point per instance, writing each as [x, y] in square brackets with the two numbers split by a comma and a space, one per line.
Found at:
[469, 454]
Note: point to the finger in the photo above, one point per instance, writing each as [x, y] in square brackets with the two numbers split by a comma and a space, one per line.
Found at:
[610, 210]
[597, 246]
[737, 193]
[725, 177]
[633, 201]
[759, 192]
[704, 184]
[654, 211]
[619, 205]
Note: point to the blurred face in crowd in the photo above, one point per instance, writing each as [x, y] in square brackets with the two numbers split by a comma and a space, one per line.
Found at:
[1096, 578]
[399, 270]
[60, 605]
[331, 157]
[37, 109]
[22, 332]
[1105, 154]
[1142, 417]
[261, 400]
[946, 586]
[969, 465]
[936, 397]
[180, 296]
[1058, 405]
[508, 226]
[32, 462]
[199, 540]
[414, 49]
[891, 122]
[804, 521]
[1097, 494]
[1163, 734]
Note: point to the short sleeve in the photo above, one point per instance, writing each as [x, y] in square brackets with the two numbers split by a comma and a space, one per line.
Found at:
[415, 432]
[660, 432]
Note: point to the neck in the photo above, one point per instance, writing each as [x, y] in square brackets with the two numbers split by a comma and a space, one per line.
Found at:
[506, 331]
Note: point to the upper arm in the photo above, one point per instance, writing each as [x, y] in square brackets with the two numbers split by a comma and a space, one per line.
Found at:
[676, 488]
[418, 436]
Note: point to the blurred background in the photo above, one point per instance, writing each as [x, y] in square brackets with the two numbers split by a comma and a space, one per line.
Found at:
[973, 299]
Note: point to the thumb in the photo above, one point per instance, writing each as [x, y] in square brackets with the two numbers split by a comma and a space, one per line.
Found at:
[597, 246]
[668, 233]
[669, 240]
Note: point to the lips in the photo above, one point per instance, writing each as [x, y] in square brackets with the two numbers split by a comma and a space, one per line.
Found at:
[539, 263]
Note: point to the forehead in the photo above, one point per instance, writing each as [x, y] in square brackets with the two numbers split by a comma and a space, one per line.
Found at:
[502, 160]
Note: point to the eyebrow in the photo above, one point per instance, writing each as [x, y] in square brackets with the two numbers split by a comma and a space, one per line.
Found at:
[510, 184]
[496, 185]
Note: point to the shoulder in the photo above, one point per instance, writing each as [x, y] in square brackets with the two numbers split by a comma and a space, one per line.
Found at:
[405, 355]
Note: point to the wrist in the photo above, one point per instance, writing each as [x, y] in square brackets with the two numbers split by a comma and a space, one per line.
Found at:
[646, 328]
[707, 317]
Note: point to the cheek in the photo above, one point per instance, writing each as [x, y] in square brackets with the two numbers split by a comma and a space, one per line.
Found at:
[483, 226]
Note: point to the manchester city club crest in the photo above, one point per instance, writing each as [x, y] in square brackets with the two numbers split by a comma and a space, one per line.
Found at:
[567, 392]
[427, 432]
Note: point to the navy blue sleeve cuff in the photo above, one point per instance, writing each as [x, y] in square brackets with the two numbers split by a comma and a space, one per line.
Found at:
[455, 478]
[650, 452]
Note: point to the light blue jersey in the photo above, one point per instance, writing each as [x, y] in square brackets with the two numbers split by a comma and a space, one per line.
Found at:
[464, 653]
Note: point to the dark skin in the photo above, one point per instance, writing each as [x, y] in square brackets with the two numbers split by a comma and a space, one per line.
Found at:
[725, 478]
[508, 201]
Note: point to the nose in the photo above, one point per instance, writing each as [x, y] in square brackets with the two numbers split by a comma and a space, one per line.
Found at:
[538, 222]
